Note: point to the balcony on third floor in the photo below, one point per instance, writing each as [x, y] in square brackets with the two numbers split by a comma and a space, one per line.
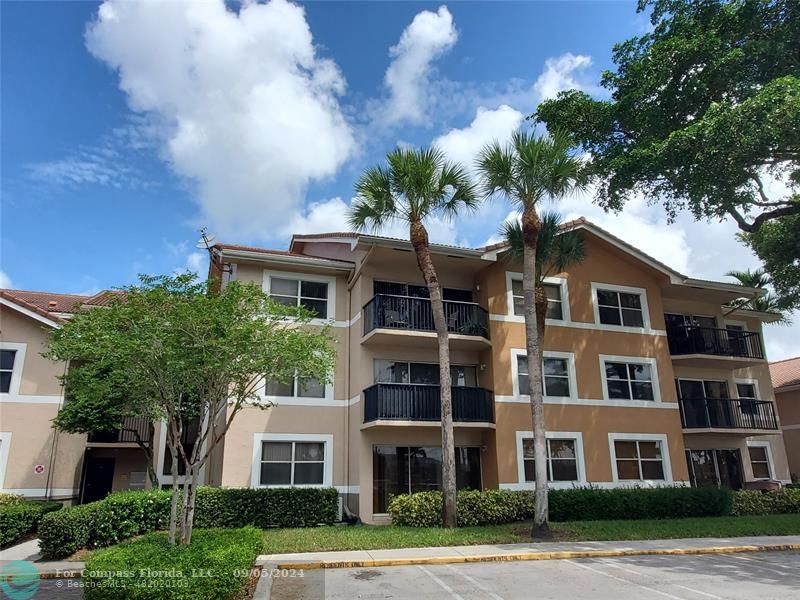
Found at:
[407, 320]
[711, 347]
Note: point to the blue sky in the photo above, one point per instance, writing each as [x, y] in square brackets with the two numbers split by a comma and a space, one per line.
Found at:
[127, 126]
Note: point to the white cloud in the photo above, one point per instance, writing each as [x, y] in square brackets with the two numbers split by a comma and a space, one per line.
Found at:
[560, 74]
[5, 280]
[407, 78]
[463, 145]
[250, 111]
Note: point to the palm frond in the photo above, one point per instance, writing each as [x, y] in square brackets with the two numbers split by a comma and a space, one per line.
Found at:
[375, 203]
[495, 164]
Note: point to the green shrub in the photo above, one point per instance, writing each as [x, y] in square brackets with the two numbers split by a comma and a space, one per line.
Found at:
[491, 507]
[215, 565]
[6, 499]
[125, 514]
[753, 502]
[18, 519]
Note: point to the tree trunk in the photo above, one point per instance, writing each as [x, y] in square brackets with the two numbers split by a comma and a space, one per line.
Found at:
[173, 509]
[541, 312]
[530, 232]
[419, 240]
[149, 456]
[190, 494]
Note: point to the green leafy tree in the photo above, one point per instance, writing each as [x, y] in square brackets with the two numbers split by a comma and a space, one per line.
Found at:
[777, 243]
[704, 111]
[765, 303]
[415, 186]
[180, 352]
[557, 249]
[528, 171]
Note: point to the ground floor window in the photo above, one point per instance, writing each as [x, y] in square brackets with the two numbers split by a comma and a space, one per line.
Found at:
[759, 461]
[406, 469]
[292, 463]
[562, 460]
[639, 459]
[715, 467]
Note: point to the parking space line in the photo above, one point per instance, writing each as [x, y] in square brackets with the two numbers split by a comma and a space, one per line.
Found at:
[441, 583]
[609, 562]
[761, 562]
[757, 565]
[476, 583]
[623, 580]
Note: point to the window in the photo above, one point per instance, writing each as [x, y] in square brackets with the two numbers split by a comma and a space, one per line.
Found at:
[639, 460]
[306, 387]
[562, 460]
[629, 381]
[7, 358]
[403, 470]
[747, 398]
[555, 376]
[312, 295]
[292, 463]
[555, 309]
[759, 462]
[392, 371]
[620, 308]
[714, 467]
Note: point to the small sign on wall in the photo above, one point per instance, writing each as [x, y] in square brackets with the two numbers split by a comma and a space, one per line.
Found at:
[38, 469]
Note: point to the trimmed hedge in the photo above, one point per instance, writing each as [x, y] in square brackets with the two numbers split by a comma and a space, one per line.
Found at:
[752, 502]
[19, 518]
[490, 507]
[215, 565]
[126, 514]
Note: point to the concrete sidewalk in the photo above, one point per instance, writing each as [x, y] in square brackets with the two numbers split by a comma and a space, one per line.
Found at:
[528, 551]
[29, 550]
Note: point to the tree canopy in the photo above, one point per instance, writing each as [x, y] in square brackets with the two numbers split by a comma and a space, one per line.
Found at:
[703, 114]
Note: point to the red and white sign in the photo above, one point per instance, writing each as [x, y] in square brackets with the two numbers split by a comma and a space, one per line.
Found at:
[38, 469]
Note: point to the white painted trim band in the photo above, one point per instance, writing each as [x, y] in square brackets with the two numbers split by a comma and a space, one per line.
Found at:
[525, 399]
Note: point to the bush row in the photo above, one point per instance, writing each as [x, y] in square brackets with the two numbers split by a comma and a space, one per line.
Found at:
[751, 502]
[20, 518]
[126, 514]
[215, 565]
[489, 507]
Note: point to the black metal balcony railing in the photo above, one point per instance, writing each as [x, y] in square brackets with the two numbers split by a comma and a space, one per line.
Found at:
[692, 339]
[416, 402]
[405, 312]
[727, 413]
[131, 426]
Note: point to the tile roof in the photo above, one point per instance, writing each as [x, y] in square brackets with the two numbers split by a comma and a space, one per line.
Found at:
[48, 302]
[785, 373]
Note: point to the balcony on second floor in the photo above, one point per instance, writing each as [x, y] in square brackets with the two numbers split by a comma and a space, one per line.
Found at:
[712, 347]
[133, 428]
[743, 415]
[405, 319]
[409, 402]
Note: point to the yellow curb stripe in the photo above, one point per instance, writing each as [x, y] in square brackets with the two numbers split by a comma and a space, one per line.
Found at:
[555, 555]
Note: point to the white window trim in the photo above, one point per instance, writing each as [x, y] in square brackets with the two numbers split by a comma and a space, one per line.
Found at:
[19, 364]
[571, 371]
[326, 400]
[331, 281]
[770, 462]
[559, 281]
[324, 438]
[641, 360]
[642, 292]
[577, 436]
[5, 447]
[753, 382]
[641, 437]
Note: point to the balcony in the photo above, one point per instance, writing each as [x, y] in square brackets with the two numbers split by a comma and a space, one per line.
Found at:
[417, 402]
[404, 319]
[705, 346]
[131, 427]
[728, 414]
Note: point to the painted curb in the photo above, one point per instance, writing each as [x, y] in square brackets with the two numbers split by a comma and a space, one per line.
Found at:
[557, 555]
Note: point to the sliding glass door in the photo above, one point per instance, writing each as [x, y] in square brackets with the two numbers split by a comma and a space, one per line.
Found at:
[405, 469]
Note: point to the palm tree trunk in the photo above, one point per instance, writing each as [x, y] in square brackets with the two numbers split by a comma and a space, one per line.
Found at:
[541, 312]
[419, 240]
[530, 232]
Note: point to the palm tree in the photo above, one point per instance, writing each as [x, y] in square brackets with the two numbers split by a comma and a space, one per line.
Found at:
[417, 185]
[557, 249]
[528, 170]
[766, 303]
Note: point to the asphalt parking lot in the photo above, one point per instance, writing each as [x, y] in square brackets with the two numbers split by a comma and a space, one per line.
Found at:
[763, 576]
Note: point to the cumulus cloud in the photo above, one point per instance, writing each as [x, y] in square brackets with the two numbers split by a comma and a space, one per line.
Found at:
[5, 280]
[561, 73]
[250, 112]
[463, 145]
[429, 35]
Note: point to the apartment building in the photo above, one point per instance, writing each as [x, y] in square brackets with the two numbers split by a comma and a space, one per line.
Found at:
[786, 381]
[649, 378]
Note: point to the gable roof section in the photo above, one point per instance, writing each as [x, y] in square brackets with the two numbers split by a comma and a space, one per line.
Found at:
[785, 373]
[28, 303]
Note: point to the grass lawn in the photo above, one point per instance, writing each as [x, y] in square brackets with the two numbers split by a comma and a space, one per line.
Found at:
[370, 537]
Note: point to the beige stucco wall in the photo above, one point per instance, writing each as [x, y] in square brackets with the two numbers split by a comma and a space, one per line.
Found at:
[39, 374]
[789, 413]
[708, 441]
